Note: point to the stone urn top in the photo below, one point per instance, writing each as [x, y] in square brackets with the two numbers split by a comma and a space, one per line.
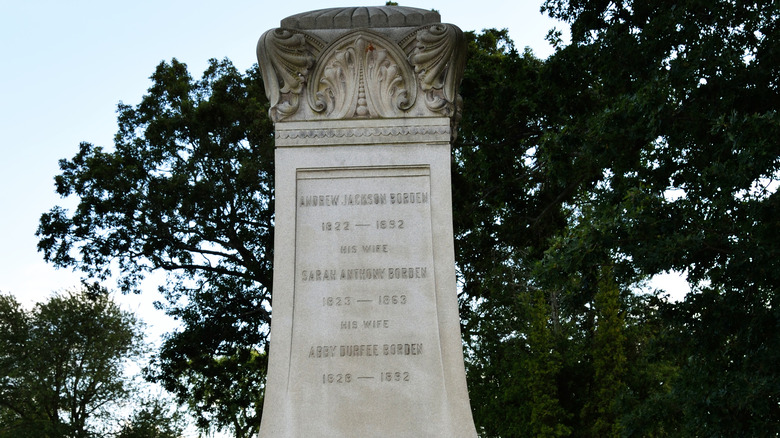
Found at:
[361, 17]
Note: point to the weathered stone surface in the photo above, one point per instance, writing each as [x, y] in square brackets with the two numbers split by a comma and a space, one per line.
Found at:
[361, 17]
[365, 339]
[345, 69]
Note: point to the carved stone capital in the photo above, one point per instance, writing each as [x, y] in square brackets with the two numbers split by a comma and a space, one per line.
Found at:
[285, 59]
[439, 60]
[362, 75]
[362, 63]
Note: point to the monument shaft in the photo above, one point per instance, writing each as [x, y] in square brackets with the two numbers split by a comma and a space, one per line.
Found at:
[365, 338]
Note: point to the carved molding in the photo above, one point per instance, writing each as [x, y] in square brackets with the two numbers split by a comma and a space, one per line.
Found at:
[358, 132]
[439, 60]
[363, 132]
[363, 73]
[285, 58]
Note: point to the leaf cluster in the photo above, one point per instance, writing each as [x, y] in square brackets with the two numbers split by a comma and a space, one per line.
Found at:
[186, 189]
[644, 146]
[62, 365]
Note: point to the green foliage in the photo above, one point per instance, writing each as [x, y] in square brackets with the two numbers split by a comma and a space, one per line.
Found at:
[541, 369]
[153, 420]
[187, 189]
[608, 358]
[225, 391]
[682, 130]
[63, 364]
[646, 145]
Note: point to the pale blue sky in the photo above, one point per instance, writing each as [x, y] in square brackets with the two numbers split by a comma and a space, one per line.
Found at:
[66, 65]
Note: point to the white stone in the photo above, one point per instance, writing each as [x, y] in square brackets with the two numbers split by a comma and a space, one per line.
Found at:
[365, 337]
[331, 73]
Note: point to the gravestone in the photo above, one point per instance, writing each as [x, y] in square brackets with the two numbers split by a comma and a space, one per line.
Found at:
[365, 338]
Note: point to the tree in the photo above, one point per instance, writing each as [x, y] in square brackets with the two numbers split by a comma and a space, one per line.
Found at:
[512, 361]
[680, 125]
[186, 189]
[63, 364]
[214, 365]
[14, 331]
[608, 358]
[647, 144]
[541, 368]
[153, 420]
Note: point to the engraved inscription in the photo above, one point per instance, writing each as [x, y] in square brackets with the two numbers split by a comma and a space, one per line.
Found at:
[366, 324]
[337, 378]
[364, 350]
[319, 200]
[407, 273]
[386, 300]
[395, 376]
[365, 199]
[364, 276]
[390, 273]
[336, 301]
[386, 377]
[374, 248]
[335, 226]
[402, 349]
[358, 350]
[409, 198]
[322, 351]
[376, 323]
[356, 199]
[389, 224]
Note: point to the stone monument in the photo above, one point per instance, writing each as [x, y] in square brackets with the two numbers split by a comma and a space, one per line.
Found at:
[365, 338]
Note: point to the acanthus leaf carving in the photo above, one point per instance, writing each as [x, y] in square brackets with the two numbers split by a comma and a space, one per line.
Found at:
[439, 59]
[337, 86]
[362, 75]
[387, 89]
[285, 59]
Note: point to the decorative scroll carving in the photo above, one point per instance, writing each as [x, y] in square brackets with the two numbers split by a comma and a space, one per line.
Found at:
[389, 87]
[362, 75]
[285, 59]
[335, 88]
[439, 59]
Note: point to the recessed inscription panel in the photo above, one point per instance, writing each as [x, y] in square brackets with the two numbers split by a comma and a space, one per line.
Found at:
[364, 308]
